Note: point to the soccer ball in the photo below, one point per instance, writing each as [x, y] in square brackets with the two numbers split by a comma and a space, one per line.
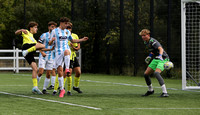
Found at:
[168, 65]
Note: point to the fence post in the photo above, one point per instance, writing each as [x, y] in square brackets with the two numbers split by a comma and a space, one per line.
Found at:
[17, 60]
[14, 57]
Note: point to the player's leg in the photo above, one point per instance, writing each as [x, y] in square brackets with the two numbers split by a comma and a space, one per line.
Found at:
[34, 78]
[77, 77]
[147, 74]
[41, 65]
[46, 81]
[53, 78]
[60, 80]
[35, 47]
[159, 69]
[67, 60]
[31, 60]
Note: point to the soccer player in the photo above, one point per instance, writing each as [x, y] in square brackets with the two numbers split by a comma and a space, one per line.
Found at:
[46, 58]
[61, 36]
[157, 64]
[29, 47]
[74, 64]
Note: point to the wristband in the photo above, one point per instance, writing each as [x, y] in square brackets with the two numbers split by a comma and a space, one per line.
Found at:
[150, 54]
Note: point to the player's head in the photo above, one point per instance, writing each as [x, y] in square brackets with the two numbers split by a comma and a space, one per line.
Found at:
[63, 22]
[145, 34]
[32, 27]
[51, 25]
[69, 26]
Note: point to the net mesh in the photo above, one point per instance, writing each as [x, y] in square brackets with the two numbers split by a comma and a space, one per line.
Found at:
[192, 43]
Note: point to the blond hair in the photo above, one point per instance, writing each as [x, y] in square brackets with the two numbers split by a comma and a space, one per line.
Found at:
[144, 32]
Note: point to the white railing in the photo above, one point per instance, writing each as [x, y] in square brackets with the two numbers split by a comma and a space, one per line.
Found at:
[12, 60]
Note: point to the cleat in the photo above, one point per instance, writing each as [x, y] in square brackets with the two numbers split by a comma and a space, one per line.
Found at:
[54, 93]
[67, 72]
[24, 53]
[77, 89]
[50, 87]
[62, 92]
[36, 91]
[164, 95]
[69, 93]
[148, 93]
[44, 91]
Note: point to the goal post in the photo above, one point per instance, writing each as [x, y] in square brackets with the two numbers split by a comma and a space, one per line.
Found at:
[190, 22]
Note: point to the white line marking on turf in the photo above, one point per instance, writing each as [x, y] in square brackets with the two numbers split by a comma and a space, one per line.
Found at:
[134, 85]
[158, 108]
[52, 101]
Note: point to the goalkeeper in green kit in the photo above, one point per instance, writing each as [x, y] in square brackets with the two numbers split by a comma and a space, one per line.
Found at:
[157, 64]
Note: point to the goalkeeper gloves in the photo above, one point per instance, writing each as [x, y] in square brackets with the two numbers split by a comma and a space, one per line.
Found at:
[148, 58]
[159, 57]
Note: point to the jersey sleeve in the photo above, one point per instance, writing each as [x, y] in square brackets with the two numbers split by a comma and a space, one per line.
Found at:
[41, 39]
[69, 36]
[155, 44]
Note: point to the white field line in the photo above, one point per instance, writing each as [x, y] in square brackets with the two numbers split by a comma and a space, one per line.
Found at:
[134, 85]
[121, 84]
[48, 100]
[156, 108]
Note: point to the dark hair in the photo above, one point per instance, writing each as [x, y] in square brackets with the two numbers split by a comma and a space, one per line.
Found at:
[52, 23]
[64, 19]
[31, 24]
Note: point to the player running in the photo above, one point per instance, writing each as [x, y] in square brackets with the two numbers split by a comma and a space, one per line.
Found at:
[46, 58]
[157, 64]
[29, 47]
[61, 36]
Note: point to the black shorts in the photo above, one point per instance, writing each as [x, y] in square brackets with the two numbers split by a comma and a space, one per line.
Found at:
[30, 56]
[74, 64]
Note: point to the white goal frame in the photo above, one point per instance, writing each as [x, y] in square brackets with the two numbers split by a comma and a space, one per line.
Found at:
[186, 76]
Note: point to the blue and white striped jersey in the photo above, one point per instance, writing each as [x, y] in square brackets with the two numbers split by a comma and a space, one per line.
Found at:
[61, 41]
[44, 39]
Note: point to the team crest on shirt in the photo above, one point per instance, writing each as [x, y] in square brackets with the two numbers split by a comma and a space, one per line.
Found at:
[66, 32]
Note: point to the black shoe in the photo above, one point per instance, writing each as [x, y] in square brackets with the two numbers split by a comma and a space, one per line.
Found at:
[44, 91]
[69, 93]
[50, 87]
[164, 95]
[148, 93]
[77, 89]
[54, 93]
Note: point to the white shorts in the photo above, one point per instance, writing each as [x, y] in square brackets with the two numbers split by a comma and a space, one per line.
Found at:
[59, 60]
[48, 64]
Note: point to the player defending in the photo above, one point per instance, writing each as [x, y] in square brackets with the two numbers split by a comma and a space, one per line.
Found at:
[157, 64]
[29, 47]
[46, 58]
[74, 65]
[61, 36]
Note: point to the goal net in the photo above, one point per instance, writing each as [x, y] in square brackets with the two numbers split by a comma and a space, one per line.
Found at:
[190, 18]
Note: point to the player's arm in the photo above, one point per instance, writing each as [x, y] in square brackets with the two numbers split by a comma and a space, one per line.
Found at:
[160, 53]
[79, 40]
[19, 32]
[75, 48]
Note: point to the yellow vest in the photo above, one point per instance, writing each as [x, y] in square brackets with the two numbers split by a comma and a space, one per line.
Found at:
[28, 38]
[73, 52]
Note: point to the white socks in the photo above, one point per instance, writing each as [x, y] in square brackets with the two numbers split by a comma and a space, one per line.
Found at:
[67, 61]
[164, 88]
[53, 78]
[60, 80]
[46, 83]
[150, 87]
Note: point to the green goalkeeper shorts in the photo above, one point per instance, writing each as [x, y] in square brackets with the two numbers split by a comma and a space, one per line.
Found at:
[156, 63]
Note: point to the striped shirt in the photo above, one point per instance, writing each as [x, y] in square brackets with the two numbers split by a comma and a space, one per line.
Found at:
[44, 39]
[61, 41]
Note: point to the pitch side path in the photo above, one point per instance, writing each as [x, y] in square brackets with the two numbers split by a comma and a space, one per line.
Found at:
[102, 95]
